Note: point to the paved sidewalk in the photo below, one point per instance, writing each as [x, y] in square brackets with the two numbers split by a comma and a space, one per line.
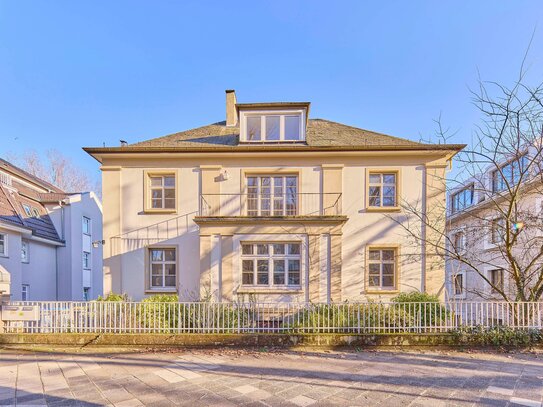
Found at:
[230, 378]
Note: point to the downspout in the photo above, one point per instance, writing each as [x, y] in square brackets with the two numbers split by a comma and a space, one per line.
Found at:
[423, 231]
[62, 237]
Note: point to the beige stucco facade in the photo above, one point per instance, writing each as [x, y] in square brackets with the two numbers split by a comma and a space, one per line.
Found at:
[335, 226]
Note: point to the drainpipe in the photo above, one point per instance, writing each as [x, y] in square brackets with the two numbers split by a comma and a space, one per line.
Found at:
[62, 236]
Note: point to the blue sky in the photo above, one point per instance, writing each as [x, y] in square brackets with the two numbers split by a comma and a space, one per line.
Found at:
[84, 73]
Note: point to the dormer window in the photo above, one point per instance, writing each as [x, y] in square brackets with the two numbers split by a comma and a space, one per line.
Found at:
[273, 127]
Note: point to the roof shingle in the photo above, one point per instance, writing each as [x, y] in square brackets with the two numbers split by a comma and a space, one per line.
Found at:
[319, 133]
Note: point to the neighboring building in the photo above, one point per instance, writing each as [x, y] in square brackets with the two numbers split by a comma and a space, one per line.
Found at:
[476, 229]
[270, 204]
[46, 239]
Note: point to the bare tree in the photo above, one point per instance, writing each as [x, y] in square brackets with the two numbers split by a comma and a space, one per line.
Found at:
[58, 170]
[494, 219]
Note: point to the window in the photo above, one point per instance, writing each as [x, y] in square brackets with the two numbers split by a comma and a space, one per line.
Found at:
[382, 190]
[86, 293]
[270, 264]
[163, 268]
[458, 241]
[25, 247]
[25, 292]
[497, 232]
[273, 127]
[509, 174]
[3, 244]
[272, 195]
[86, 260]
[162, 191]
[496, 279]
[462, 199]
[31, 211]
[382, 269]
[86, 225]
[27, 209]
[458, 285]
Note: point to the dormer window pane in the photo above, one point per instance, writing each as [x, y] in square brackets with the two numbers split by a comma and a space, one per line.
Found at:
[253, 128]
[272, 127]
[292, 127]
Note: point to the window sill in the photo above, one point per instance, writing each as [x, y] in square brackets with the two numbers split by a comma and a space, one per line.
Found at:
[383, 209]
[382, 292]
[268, 290]
[155, 211]
[459, 297]
[160, 290]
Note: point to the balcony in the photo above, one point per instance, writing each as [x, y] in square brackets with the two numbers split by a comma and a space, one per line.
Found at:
[258, 205]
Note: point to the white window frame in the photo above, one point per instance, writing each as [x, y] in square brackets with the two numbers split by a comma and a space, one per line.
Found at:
[463, 191]
[149, 191]
[272, 197]
[492, 241]
[382, 262]
[489, 272]
[25, 292]
[85, 265]
[163, 262]
[462, 236]
[270, 258]
[25, 254]
[381, 186]
[263, 113]
[462, 295]
[496, 177]
[4, 238]
[28, 210]
[89, 232]
[87, 291]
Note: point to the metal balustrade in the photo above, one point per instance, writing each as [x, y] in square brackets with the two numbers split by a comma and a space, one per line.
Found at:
[270, 204]
[294, 318]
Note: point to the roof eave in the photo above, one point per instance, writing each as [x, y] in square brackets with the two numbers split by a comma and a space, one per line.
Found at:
[450, 149]
[273, 148]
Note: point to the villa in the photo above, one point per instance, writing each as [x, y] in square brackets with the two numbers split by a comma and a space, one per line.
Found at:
[271, 204]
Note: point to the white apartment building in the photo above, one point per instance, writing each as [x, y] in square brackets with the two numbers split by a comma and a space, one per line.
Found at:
[50, 240]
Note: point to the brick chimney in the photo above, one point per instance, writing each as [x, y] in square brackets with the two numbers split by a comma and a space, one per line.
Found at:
[231, 114]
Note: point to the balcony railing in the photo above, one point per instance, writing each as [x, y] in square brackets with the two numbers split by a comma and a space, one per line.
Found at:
[265, 205]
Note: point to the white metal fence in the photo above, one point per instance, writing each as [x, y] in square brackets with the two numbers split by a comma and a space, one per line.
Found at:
[208, 317]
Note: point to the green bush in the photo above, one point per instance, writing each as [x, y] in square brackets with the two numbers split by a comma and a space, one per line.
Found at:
[425, 309]
[160, 312]
[113, 297]
[371, 317]
[497, 336]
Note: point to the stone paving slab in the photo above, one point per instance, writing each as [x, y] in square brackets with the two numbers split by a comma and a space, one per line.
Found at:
[284, 378]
